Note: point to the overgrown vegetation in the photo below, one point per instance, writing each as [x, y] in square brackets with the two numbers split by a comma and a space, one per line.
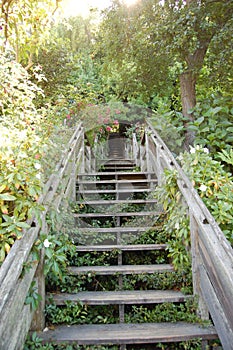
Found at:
[53, 75]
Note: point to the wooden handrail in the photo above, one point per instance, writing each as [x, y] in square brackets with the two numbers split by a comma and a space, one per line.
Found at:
[16, 317]
[212, 254]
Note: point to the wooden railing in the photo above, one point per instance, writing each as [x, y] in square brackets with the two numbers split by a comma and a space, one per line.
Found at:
[212, 255]
[16, 317]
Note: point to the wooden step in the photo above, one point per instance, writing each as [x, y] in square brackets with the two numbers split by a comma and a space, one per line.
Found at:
[120, 190]
[120, 269]
[120, 297]
[145, 333]
[114, 181]
[123, 214]
[116, 201]
[116, 175]
[121, 229]
[117, 167]
[120, 159]
[127, 248]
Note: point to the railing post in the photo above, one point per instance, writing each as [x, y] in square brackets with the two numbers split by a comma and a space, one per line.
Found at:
[196, 263]
[82, 149]
[38, 322]
[135, 149]
[148, 163]
[159, 165]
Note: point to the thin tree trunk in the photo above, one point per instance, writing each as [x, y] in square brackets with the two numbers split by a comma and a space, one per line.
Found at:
[188, 99]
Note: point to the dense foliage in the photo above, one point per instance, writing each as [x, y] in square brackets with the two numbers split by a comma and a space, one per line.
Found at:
[174, 58]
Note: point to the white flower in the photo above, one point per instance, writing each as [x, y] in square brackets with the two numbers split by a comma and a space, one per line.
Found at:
[37, 166]
[205, 149]
[177, 226]
[47, 243]
[192, 150]
[38, 176]
[203, 188]
[197, 147]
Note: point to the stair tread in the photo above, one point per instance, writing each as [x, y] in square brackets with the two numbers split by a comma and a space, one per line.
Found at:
[123, 229]
[126, 181]
[114, 173]
[122, 269]
[132, 247]
[113, 214]
[128, 333]
[117, 201]
[121, 297]
[120, 190]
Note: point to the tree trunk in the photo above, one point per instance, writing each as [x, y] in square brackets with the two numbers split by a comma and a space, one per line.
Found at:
[188, 100]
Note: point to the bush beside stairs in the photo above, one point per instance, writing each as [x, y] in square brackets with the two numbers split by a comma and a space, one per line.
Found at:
[125, 282]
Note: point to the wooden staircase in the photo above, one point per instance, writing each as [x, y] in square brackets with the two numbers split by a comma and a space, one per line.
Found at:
[108, 197]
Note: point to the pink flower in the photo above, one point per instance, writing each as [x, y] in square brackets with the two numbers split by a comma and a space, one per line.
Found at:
[117, 111]
[115, 122]
[108, 128]
[37, 156]
[68, 116]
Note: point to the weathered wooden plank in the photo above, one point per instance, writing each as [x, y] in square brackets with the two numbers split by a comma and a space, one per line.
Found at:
[128, 333]
[38, 322]
[113, 173]
[18, 336]
[11, 313]
[122, 214]
[196, 262]
[219, 273]
[122, 229]
[120, 269]
[120, 190]
[132, 247]
[121, 297]
[114, 181]
[117, 201]
[12, 267]
[223, 327]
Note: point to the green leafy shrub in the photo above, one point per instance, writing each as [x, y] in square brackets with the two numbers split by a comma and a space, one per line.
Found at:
[21, 148]
[214, 185]
[212, 123]
[169, 124]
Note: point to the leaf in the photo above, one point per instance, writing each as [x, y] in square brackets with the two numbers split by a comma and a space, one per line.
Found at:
[4, 209]
[23, 225]
[199, 120]
[7, 197]
[2, 254]
[2, 188]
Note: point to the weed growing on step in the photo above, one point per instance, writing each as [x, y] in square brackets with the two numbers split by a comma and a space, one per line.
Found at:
[147, 258]
[160, 281]
[78, 313]
[94, 258]
[166, 312]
